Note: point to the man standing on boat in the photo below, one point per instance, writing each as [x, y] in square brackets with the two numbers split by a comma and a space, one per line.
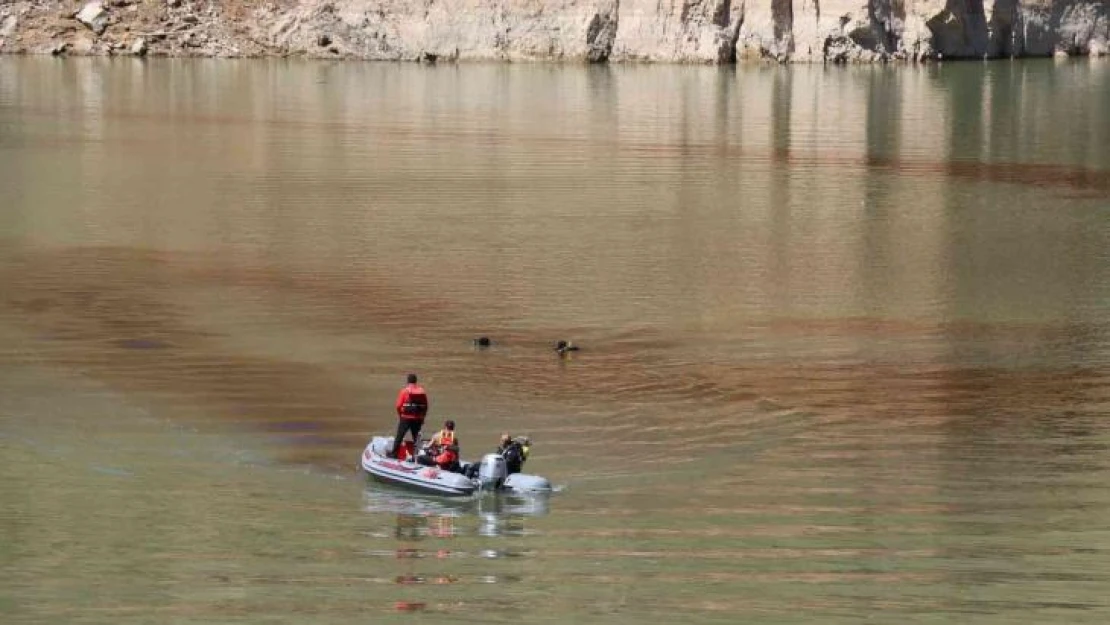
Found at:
[412, 407]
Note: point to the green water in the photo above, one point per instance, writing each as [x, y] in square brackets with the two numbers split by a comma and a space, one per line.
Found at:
[845, 331]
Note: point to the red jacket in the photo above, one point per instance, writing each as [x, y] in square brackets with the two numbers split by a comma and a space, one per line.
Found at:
[412, 403]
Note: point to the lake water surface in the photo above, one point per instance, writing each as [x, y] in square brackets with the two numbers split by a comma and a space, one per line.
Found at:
[845, 340]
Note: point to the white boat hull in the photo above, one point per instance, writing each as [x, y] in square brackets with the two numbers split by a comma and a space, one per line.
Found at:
[376, 462]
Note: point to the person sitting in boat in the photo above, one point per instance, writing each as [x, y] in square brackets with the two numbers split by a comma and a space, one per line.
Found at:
[443, 449]
[514, 451]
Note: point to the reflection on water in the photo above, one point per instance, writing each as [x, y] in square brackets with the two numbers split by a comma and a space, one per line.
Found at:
[845, 340]
[386, 499]
[429, 532]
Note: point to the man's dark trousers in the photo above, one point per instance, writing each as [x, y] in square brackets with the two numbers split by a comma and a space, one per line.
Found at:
[403, 426]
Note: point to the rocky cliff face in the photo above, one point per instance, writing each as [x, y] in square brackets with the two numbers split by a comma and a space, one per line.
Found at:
[698, 31]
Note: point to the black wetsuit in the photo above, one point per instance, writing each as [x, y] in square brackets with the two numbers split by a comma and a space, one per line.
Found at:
[513, 453]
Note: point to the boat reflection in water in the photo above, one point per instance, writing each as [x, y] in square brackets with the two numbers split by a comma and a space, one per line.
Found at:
[437, 539]
[385, 499]
[419, 516]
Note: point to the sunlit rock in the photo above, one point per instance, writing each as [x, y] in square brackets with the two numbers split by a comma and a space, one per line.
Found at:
[691, 31]
[7, 25]
[593, 31]
[94, 16]
[83, 46]
[1080, 25]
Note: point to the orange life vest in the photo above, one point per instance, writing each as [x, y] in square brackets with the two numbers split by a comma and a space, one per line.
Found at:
[446, 459]
[446, 438]
[447, 454]
[413, 403]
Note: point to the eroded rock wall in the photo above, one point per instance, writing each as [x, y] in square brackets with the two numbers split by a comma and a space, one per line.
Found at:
[684, 31]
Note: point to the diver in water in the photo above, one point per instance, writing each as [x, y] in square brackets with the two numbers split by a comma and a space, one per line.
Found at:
[563, 348]
[514, 451]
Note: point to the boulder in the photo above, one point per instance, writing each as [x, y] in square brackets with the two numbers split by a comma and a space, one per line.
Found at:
[84, 46]
[138, 47]
[94, 16]
[7, 25]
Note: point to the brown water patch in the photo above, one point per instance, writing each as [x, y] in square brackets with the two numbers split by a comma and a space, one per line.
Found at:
[90, 303]
[1038, 175]
[1093, 182]
[112, 313]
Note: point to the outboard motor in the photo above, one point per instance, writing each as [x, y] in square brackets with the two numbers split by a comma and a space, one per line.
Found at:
[492, 471]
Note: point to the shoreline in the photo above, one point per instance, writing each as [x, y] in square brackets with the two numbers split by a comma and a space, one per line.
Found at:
[706, 32]
[70, 52]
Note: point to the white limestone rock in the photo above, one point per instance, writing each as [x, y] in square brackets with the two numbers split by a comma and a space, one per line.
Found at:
[702, 31]
[94, 16]
[8, 24]
[686, 31]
